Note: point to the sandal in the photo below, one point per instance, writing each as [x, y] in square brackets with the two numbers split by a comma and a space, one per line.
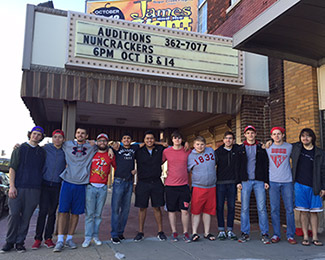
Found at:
[210, 237]
[195, 237]
[317, 243]
[305, 243]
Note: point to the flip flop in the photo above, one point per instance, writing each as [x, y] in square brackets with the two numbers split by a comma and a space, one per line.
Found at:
[317, 243]
[210, 237]
[195, 237]
[305, 243]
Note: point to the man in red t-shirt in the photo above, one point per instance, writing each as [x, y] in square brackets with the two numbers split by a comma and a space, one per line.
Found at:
[96, 191]
[176, 185]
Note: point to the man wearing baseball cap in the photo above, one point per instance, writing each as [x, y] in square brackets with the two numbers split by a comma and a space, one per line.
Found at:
[25, 173]
[281, 184]
[253, 175]
[96, 191]
[50, 191]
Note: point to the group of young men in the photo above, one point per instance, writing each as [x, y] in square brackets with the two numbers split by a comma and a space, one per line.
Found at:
[72, 176]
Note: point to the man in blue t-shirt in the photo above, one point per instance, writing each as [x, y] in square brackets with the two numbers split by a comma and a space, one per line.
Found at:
[25, 174]
[122, 187]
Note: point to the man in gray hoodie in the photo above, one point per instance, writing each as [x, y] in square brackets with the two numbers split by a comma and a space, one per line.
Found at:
[78, 155]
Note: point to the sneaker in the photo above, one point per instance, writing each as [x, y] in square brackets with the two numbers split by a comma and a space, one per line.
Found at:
[97, 241]
[231, 235]
[20, 248]
[161, 236]
[116, 240]
[265, 239]
[6, 248]
[275, 239]
[243, 238]
[59, 246]
[86, 243]
[121, 237]
[49, 243]
[37, 244]
[186, 237]
[174, 237]
[292, 241]
[139, 237]
[222, 235]
[69, 243]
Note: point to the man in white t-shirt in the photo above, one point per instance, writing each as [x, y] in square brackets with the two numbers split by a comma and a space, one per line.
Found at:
[281, 184]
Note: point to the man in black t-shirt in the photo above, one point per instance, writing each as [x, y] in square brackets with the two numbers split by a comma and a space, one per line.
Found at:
[122, 187]
[149, 185]
[308, 169]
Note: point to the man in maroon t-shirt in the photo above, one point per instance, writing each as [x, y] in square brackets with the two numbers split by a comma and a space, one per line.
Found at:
[177, 190]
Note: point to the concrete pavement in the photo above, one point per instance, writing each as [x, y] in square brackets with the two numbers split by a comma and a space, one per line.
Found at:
[150, 248]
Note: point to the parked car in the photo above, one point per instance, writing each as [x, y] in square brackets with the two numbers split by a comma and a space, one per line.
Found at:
[4, 188]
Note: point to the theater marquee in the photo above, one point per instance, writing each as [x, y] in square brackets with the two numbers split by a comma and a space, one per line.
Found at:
[123, 46]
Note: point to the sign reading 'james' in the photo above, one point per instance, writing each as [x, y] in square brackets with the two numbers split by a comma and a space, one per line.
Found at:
[123, 46]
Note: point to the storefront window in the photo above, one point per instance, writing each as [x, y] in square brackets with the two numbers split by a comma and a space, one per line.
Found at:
[203, 16]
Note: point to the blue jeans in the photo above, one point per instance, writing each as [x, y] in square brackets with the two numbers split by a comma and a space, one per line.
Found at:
[95, 201]
[286, 191]
[121, 200]
[226, 192]
[260, 196]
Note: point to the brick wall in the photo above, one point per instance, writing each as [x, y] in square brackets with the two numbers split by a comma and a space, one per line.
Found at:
[301, 99]
[255, 111]
[276, 88]
[227, 24]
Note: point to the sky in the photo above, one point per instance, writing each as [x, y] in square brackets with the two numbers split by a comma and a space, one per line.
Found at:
[16, 120]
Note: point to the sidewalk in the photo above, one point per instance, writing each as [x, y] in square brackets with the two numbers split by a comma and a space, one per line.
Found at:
[151, 248]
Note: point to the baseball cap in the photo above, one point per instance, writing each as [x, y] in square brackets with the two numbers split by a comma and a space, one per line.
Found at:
[102, 135]
[282, 130]
[58, 131]
[38, 129]
[249, 127]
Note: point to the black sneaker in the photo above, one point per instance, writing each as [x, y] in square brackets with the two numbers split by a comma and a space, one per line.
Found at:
[138, 237]
[20, 248]
[265, 239]
[243, 238]
[6, 248]
[121, 237]
[115, 240]
[161, 236]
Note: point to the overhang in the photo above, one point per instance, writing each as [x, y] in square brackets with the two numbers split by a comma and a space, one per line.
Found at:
[122, 101]
[290, 29]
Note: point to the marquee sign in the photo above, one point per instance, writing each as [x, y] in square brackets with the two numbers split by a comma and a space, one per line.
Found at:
[175, 14]
[123, 46]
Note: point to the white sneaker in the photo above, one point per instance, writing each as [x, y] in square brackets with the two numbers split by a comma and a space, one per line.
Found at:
[86, 243]
[97, 241]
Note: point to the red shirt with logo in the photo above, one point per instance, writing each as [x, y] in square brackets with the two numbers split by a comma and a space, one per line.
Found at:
[101, 167]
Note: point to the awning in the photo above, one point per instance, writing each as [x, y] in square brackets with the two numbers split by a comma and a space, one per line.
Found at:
[290, 29]
[105, 99]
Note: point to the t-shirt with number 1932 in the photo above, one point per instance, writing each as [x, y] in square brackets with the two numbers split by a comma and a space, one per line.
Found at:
[203, 167]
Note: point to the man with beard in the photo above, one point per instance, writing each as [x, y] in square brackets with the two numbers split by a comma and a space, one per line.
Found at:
[96, 191]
